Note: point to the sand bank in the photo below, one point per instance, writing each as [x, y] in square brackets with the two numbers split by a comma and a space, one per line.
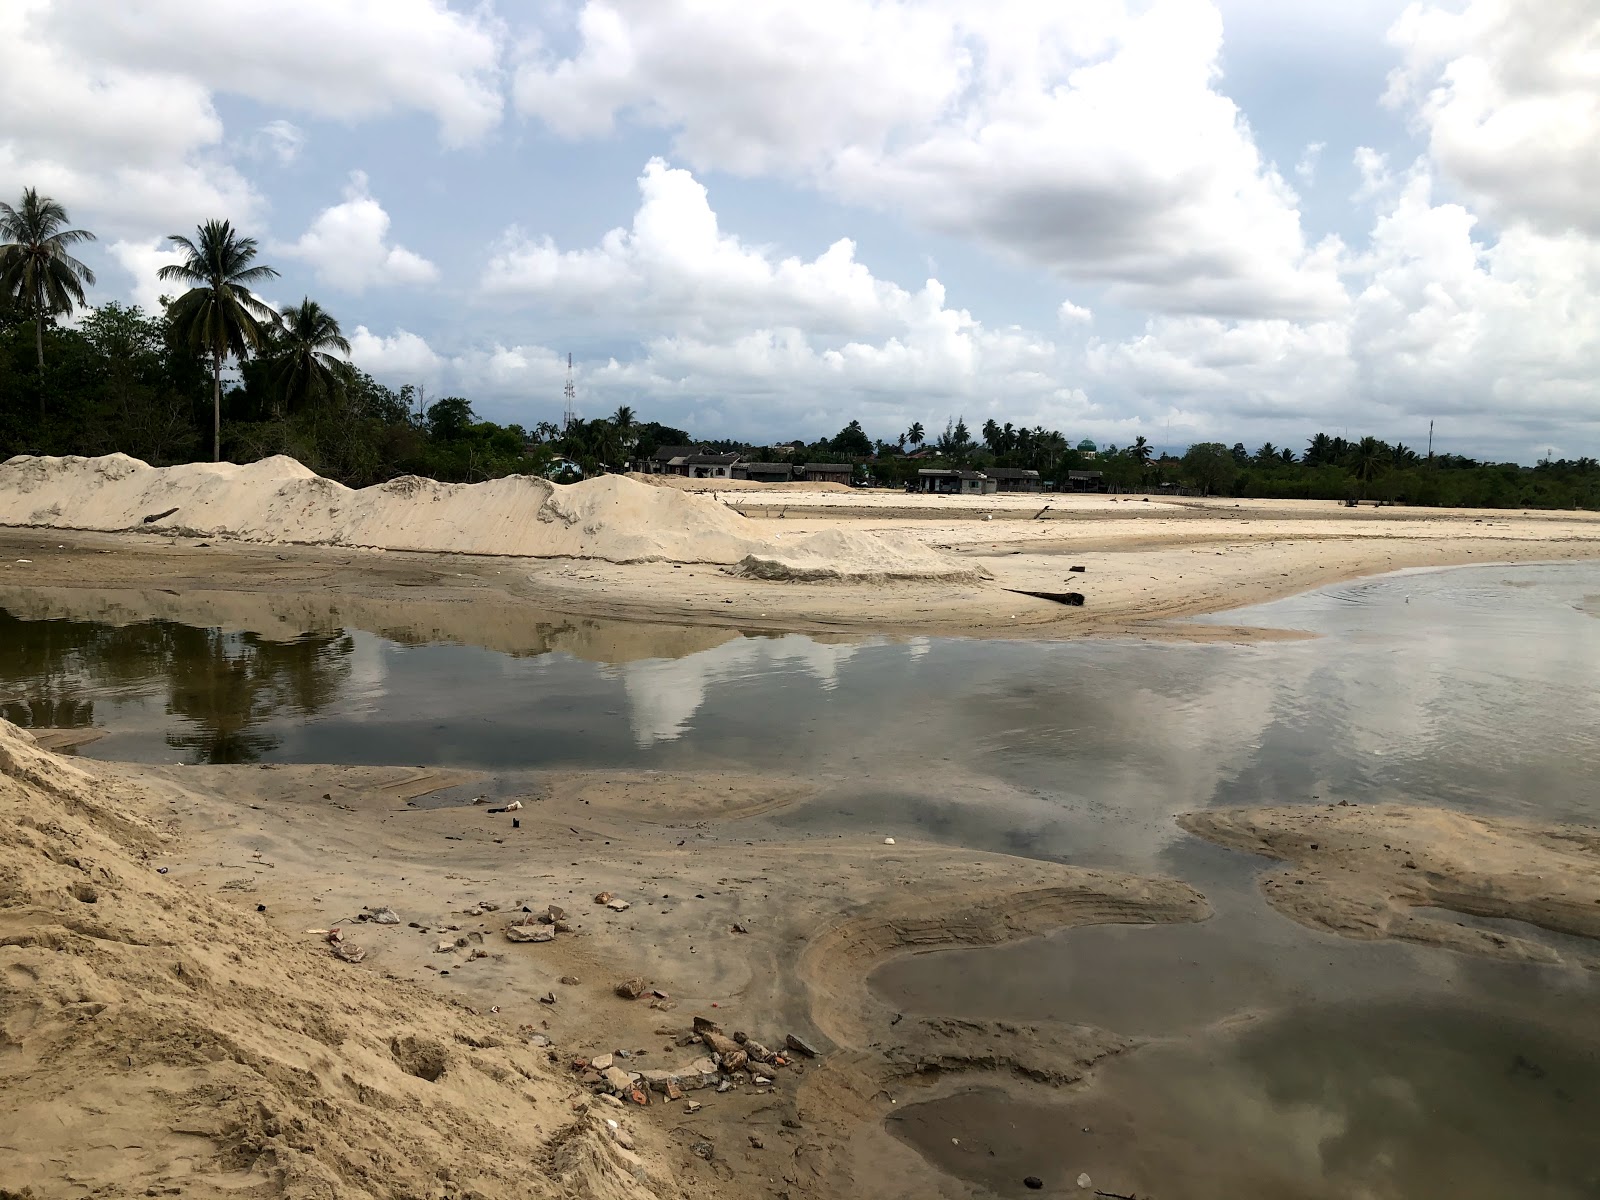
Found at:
[1365, 872]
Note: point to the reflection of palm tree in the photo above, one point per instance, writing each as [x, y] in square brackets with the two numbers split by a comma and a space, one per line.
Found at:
[228, 684]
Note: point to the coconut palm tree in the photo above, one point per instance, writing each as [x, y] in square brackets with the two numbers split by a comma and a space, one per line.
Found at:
[35, 268]
[915, 435]
[1140, 450]
[306, 368]
[218, 314]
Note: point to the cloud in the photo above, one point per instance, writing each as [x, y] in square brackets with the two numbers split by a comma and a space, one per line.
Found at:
[1073, 314]
[282, 139]
[111, 107]
[347, 245]
[1508, 96]
[674, 269]
[142, 260]
[350, 61]
[1306, 169]
[1091, 141]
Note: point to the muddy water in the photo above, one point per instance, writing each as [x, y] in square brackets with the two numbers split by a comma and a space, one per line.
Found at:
[1282, 1062]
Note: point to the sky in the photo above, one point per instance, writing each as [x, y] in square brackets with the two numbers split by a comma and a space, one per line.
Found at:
[1191, 220]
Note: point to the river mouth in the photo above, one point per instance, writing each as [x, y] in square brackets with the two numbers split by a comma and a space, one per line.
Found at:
[1279, 1061]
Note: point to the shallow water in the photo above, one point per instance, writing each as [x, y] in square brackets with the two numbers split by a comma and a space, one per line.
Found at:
[1288, 1062]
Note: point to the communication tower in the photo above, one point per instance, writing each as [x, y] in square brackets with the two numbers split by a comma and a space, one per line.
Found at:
[571, 414]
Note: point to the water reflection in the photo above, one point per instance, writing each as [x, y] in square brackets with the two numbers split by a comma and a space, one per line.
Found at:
[222, 686]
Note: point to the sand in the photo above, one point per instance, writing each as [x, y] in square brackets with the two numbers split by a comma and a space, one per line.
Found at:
[157, 1040]
[277, 500]
[1365, 871]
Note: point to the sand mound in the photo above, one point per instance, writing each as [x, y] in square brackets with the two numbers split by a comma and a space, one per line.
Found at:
[847, 556]
[153, 1037]
[277, 500]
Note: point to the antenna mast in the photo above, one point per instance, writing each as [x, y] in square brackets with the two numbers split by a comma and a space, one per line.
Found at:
[571, 414]
[1430, 441]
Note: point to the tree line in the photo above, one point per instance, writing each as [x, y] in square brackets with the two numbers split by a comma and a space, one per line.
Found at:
[152, 385]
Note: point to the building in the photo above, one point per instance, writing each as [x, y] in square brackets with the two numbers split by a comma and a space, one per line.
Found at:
[710, 466]
[1085, 481]
[827, 472]
[669, 460]
[940, 482]
[1088, 449]
[764, 472]
[1015, 479]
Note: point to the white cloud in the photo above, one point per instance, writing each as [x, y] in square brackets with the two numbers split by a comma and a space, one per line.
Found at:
[351, 60]
[347, 245]
[1508, 94]
[1073, 314]
[675, 269]
[402, 357]
[1088, 139]
[142, 260]
[1306, 169]
[282, 139]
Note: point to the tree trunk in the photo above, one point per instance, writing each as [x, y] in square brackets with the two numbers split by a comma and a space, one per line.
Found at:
[38, 337]
[216, 408]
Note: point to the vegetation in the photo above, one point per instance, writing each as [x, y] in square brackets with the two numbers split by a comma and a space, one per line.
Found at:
[150, 385]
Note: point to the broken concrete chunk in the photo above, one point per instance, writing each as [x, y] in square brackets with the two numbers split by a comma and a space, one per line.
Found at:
[348, 952]
[601, 1061]
[444, 947]
[800, 1046]
[631, 989]
[617, 1079]
[603, 898]
[530, 933]
[616, 905]
[384, 915]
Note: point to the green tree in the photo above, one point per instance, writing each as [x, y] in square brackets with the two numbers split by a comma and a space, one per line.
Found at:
[35, 269]
[305, 370]
[218, 314]
[915, 434]
[1210, 466]
[449, 419]
[852, 439]
[1140, 450]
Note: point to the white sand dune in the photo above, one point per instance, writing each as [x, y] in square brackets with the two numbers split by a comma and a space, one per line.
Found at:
[277, 500]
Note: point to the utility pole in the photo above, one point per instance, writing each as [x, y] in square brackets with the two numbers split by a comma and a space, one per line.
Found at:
[1430, 441]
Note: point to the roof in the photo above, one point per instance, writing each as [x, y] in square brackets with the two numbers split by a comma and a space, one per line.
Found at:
[1010, 473]
[668, 453]
[942, 472]
[712, 460]
[825, 467]
[771, 467]
[1084, 474]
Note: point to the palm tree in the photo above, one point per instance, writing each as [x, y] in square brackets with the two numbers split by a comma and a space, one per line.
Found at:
[35, 268]
[915, 435]
[1369, 458]
[625, 425]
[218, 314]
[1140, 451]
[306, 368]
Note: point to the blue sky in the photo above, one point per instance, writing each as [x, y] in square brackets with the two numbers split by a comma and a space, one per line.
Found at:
[1187, 219]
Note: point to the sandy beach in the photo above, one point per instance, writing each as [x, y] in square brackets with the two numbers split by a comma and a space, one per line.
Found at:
[334, 981]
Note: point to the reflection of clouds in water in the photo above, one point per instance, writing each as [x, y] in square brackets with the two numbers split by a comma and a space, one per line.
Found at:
[366, 683]
[664, 694]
